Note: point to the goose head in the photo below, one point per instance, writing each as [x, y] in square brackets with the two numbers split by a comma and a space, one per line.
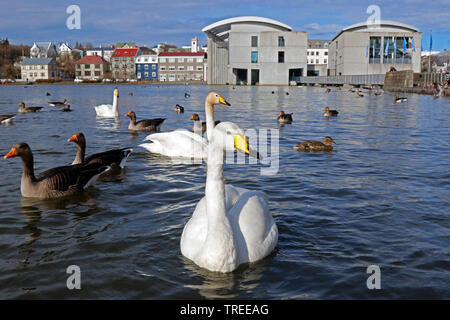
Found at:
[132, 115]
[19, 149]
[78, 138]
[22, 104]
[326, 109]
[195, 117]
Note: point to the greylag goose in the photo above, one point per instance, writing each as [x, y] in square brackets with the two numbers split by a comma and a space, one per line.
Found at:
[66, 109]
[56, 182]
[115, 158]
[6, 118]
[58, 103]
[397, 99]
[144, 125]
[24, 109]
[326, 145]
[330, 113]
[179, 109]
[284, 117]
[200, 125]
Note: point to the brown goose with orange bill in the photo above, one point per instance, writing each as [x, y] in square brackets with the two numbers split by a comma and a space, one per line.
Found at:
[144, 125]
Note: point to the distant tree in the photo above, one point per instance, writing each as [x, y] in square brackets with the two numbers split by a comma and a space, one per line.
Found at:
[9, 71]
[67, 66]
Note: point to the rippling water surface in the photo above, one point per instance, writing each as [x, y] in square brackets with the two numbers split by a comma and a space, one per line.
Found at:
[381, 197]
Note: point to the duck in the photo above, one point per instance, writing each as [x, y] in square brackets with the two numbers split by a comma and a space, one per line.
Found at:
[230, 225]
[378, 93]
[287, 93]
[144, 125]
[24, 109]
[182, 143]
[397, 99]
[327, 90]
[325, 145]
[48, 94]
[109, 110]
[58, 103]
[66, 109]
[330, 113]
[284, 117]
[130, 93]
[56, 182]
[359, 94]
[6, 118]
[200, 126]
[115, 158]
[179, 109]
[186, 95]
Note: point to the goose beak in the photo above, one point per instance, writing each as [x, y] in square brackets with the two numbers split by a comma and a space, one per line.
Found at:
[191, 118]
[128, 115]
[241, 143]
[223, 101]
[12, 153]
[72, 138]
[334, 142]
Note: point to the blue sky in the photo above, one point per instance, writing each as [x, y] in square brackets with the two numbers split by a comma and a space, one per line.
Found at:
[148, 22]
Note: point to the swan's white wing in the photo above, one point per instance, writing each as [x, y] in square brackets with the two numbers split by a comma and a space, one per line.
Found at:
[178, 143]
[105, 110]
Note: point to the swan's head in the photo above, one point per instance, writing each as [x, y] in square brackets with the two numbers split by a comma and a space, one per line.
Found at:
[116, 92]
[17, 150]
[230, 137]
[214, 98]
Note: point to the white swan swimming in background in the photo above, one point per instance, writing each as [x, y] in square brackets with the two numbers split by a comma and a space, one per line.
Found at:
[109, 110]
[230, 225]
[182, 143]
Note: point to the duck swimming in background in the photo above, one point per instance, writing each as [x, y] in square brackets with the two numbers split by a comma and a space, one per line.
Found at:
[327, 90]
[397, 99]
[284, 117]
[359, 94]
[7, 118]
[179, 109]
[58, 103]
[109, 110]
[48, 94]
[186, 95]
[24, 109]
[330, 113]
[378, 93]
[144, 125]
[326, 145]
[66, 109]
[200, 126]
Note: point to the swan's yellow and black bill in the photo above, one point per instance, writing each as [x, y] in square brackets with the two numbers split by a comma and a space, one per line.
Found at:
[241, 143]
[72, 138]
[223, 101]
[116, 92]
[11, 153]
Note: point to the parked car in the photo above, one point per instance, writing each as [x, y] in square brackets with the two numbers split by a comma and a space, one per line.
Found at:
[78, 80]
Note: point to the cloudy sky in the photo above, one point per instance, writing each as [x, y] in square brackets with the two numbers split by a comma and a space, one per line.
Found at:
[148, 22]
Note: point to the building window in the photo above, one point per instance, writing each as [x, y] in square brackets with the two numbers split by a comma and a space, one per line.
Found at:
[254, 41]
[162, 59]
[153, 66]
[190, 60]
[171, 77]
[190, 68]
[181, 68]
[162, 68]
[325, 61]
[42, 74]
[87, 66]
[281, 41]
[146, 67]
[199, 60]
[97, 73]
[87, 73]
[317, 53]
[199, 68]
[326, 53]
[146, 74]
[307, 53]
[280, 56]
[317, 61]
[171, 60]
[153, 74]
[375, 50]
[171, 67]
[254, 56]
[180, 59]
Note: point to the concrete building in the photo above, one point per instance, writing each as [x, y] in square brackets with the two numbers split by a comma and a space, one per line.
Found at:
[255, 50]
[181, 66]
[91, 67]
[317, 57]
[147, 67]
[123, 62]
[104, 52]
[362, 49]
[43, 49]
[33, 69]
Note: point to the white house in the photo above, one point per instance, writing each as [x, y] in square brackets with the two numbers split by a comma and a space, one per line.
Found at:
[43, 49]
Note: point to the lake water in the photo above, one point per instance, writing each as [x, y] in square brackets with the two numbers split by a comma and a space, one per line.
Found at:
[381, 197]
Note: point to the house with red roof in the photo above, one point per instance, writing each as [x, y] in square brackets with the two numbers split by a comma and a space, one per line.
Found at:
[91, 67]
[182, 66]
[123, 62]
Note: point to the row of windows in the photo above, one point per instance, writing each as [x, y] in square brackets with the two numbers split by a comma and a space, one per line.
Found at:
[390, 50]
[180, 77]
[88, 73]
[146, 67]
[146, 75]
[254, 41]
[42, 67]
[180, 68]
[317, 61]
[311, 53]
[35, 74]
[171, 60]
[254, 57]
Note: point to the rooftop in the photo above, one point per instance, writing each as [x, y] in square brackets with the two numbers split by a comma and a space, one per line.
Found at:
[30, 61]
[129, 52]
[384, 24]
[172, 54]
[91, 59]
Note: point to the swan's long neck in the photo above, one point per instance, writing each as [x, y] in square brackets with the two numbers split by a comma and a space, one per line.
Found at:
[115, 105]
[209, 111]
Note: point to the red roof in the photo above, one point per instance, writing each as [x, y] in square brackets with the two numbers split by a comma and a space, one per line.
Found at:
[128, 52]
[168, 54]
[91, 59]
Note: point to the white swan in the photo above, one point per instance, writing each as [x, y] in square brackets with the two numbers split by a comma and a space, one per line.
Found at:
[109, 110]
[183, 143]
[230, 225]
